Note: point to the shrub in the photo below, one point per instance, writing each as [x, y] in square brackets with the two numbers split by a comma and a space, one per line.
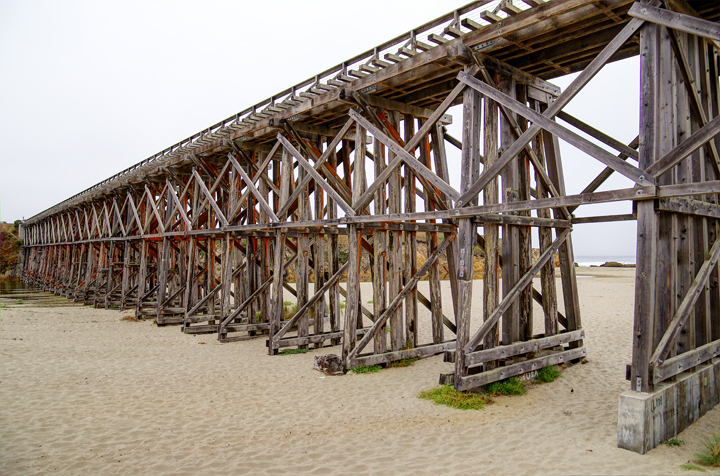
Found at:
[448, 396]
[370, 369]
[709, 454]
[407, 362]
[509, 386]
[548, 374]
[293, 351]
[674, 442]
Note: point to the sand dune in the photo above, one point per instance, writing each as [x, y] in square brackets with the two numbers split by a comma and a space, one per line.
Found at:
[83, 392]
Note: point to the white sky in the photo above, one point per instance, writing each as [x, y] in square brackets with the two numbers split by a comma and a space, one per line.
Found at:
[88, 88]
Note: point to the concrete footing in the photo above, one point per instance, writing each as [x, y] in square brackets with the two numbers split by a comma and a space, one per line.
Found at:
[645, 420]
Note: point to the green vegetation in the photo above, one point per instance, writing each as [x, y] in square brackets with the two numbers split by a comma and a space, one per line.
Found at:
[548, 374]
[407, 362]
[509, 386]
[447, 395]
[674, 442]
[289, 310]
[370, 369]
[692, 467]
[293, 351]
[709, 454]
[19, 302]
[10, 246]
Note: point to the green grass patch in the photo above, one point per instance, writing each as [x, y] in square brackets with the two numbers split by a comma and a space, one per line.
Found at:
[19, 302]
[692, 467]
[407, 362]
[509, 386]
[448, 396]
[709, 454]
[548, 374]
[370, 369]
[674, 442]
[293, 351]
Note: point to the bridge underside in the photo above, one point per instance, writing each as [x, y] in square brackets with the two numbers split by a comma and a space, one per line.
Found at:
[346, 178]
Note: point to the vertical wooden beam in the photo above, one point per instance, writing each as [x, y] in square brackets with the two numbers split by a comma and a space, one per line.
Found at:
[277, 297]
[647, 221]
[379, 252]
[467, 231]
[352, 306]
[491, 285]
[511, 233]
[410, 248]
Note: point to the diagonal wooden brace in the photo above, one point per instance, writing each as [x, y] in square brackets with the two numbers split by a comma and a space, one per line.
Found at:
[686, 306]
[513, 294]
[633, 173]
[332, 193]
[570, 92]
[251, 186]
[380, 320]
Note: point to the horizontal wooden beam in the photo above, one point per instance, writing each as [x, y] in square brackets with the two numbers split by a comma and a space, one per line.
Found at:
[506, 351]
[688, 206]
[633, 173]
[685, 361]
[484, 378]
[687, 147]
[375, 359]
[686, 306]
[677, 21]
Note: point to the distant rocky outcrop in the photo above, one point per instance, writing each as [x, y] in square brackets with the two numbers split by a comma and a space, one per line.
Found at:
[614, 264]
[10, 248]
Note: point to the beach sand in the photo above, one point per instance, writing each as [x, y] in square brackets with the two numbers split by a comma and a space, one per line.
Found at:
[83, 392]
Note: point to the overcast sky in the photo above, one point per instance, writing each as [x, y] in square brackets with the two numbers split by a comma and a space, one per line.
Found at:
[88, 88]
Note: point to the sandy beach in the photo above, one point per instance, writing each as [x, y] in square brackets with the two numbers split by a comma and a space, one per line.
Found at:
[83, 392]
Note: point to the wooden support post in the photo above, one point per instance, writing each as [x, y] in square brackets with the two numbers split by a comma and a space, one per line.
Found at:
[511, 233]
[410, 246]
[334, 264]
[647, 221]
[352, 306]
[491, 288]
[394, 246]
[467, 230]
[547, 275]
[379, 252]
[277, 296]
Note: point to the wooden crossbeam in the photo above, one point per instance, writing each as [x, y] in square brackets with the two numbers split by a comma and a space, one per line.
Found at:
[251, 186]
[210, 198]
[633, 173]
[677, 21]
[392, 307]
[537, 163]
[570, 92]
[260, 172]
[687, 147]
[180, 207]
[686, 306]
[318, 164]
[695, 102]
[310, 302]
[316, 176]
[406, 157]
[380, 180]
[513, 294]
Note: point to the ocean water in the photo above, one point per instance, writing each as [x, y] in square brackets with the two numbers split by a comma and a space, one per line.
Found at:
[598, 260]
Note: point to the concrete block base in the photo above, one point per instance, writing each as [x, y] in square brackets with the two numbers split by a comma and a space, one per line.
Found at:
[645, 420]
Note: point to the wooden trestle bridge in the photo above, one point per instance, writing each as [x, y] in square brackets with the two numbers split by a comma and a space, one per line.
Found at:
[204, 232]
